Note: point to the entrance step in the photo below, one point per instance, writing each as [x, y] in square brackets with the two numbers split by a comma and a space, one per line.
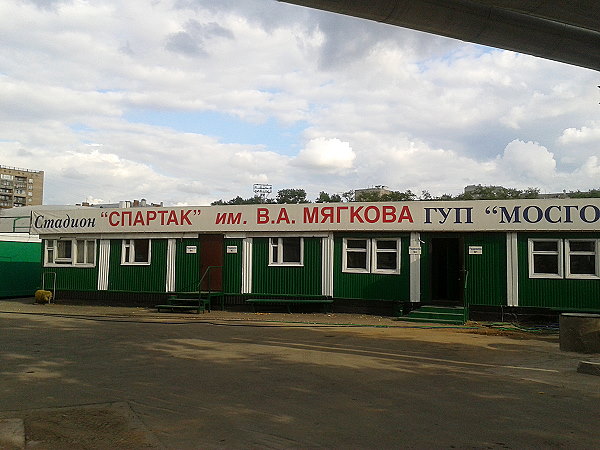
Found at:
[450, 315]
[190, 301]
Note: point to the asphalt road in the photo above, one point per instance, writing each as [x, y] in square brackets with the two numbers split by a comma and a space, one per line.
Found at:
[218, 383]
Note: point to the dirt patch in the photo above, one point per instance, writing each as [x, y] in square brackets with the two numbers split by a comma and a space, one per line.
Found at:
[511, 331]
[101, 426]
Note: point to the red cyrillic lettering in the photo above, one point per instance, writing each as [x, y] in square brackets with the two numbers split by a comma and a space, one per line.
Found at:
[172, 218]
[262, 215]
[311, 217]
[183, 218]
[110, 217]
[354, 214]
[327, 213]
[389, 214]
[405, 214]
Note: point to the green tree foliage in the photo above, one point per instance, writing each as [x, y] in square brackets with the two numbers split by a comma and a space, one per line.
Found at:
[348, 196]
[425, 195]
[496, 193]
[393, 196]
[324, 197]
[292, 196]
[592, 193]
[243, 201]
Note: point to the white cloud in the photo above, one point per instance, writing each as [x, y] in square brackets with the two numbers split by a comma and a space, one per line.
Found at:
[590, 170]
[528, 160]
[584, 135]
[328, 155]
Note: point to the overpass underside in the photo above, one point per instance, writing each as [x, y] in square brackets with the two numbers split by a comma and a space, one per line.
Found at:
[561, 30]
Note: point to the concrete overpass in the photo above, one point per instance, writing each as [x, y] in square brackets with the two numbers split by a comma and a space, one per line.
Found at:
[561, 30]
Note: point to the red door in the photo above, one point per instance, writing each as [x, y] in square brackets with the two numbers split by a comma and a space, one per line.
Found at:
[211, 255]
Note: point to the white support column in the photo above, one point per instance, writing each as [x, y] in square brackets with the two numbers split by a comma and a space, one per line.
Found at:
[512, 270]
[327, 266]
[103, 264]
[415, 268]
[171, 255]
[247, 266]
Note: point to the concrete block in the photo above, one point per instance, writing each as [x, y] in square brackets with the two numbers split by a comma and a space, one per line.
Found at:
[580, 332]
[589, 367]
[12, 434]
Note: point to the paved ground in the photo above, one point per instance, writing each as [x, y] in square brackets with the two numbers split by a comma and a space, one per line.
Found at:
[101, 377]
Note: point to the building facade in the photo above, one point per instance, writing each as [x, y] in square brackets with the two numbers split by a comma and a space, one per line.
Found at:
[383, 257]
[20, 187]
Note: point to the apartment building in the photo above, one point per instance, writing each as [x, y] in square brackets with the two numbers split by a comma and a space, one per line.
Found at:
[20, 187]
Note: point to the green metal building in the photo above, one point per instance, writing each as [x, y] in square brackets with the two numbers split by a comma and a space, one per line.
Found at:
[388, 258]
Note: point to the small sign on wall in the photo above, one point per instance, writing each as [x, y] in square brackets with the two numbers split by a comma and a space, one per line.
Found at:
[232, 249]
[191, 249]
[414, 250]
[475, 250]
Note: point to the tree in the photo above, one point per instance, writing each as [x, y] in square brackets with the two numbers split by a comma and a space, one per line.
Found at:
[348, 196]
[243, 201]
[592, 193]
[393, 196]
[425, 195]
[497, 193]
[324, 197]
[291, 196]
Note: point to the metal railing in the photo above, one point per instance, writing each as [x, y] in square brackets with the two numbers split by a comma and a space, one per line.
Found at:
[209, 290]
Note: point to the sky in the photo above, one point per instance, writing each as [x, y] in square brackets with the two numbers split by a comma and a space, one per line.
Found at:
[189, 101]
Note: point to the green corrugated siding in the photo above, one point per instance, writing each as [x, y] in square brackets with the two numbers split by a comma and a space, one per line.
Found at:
[20, 265]
[140, 278]
[555, 293]
[232, 267]
[305, 280]
[486, 273]
[187, 266]
[372, 286]
[72, 278]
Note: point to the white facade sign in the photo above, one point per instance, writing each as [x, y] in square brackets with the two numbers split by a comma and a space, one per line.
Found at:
[191, 249]
[423, 216]
[232, 249]
[414, 250]
[475, 250]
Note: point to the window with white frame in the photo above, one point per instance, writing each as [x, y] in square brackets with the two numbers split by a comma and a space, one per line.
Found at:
[357, 255]
[70, 252]
[376, 255]
[286, 251]
[581, 258]
[135, 252]
[545, 258]
[386, 255]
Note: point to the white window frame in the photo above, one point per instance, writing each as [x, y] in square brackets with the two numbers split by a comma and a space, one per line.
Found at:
[130, 261]
[569, 252]
[558, 253]
[367, 252]
[279, 246]
[375, 250]
[371, 251]
[51, 252]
